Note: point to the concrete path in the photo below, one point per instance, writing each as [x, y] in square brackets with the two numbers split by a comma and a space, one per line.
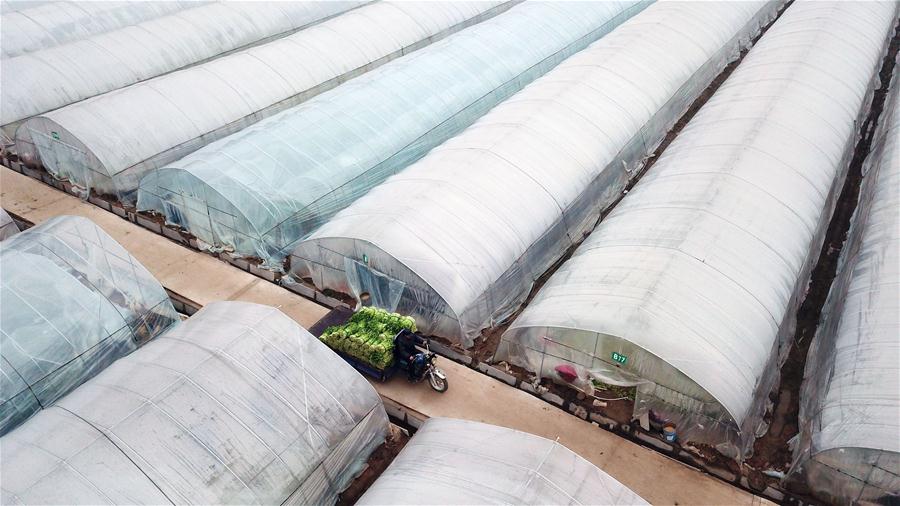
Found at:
[472, 395]
[475, 396]
[196, 276]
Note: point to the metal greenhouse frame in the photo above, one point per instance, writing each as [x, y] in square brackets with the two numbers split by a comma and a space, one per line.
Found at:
[38, 82]
[849, 448]
[73, 301]
[94, 145]
[268, 186]
[462, 462]
[459, 238]
[696, 276]
[237, 405]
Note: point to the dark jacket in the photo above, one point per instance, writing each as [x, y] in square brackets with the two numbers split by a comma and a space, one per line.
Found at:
[405, 345]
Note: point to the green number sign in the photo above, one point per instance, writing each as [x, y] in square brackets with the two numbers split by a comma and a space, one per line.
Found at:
[365, 259]
[618, 357]
[55, 135]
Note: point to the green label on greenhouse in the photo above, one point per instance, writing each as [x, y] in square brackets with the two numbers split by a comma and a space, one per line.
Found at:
[618, 357]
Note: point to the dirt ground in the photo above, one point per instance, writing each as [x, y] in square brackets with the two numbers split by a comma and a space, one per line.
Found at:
[380, 459]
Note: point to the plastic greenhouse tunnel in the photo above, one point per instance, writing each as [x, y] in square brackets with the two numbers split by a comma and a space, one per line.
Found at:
[458, 239]
[261, 190]
[8, 227]
[32, 26]
[461, 462]
[849, 448]
[93, 145]
[237, 405]
[41, 81]
[696, 276]
[74, 301]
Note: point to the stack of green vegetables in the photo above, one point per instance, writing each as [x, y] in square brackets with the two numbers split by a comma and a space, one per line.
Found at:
[369, 335]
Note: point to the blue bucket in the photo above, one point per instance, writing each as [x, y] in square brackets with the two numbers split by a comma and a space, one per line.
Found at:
[669, 433]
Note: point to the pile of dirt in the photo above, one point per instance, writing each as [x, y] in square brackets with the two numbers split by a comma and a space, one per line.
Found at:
[380, 459]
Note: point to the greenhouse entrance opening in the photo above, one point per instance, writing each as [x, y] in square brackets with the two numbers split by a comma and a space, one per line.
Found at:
[63, 159]
[372, 288]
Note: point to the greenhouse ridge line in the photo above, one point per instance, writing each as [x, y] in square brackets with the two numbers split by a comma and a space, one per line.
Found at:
[825, 271]
[646, 167]
[201, 279]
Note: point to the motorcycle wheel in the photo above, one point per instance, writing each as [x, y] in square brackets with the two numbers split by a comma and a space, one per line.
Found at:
[437, 383]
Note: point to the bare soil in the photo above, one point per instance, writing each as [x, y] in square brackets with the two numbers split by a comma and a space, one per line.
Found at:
[380, 459]
[771, 451]
[710, 455]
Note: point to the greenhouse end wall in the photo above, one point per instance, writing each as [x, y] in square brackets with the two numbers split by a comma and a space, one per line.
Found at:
[74, 301]
[849, 446]
[533, 175]
[45, 80]
[237, 405]
[288, 174]
[94, 146]
[705, 262]
[452, 461]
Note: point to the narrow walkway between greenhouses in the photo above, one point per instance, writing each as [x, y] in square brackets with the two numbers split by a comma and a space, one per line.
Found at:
[200, 279]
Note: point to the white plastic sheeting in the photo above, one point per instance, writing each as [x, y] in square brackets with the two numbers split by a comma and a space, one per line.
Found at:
[8, 227]
[696, 276]
[45, 80]
[19, 5]
[461, 462]
[849, 449]
[237, 405]
[73, 301]
[268, 186]
[102, 149]
[32, 26]
[458, 239]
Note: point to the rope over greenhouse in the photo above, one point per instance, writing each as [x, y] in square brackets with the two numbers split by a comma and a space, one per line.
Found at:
[462, 462]
[41, 81]
[96, 147]
[263, 189]
[697, 274]
[74, 301]
[849, 447]
[236, 405]
[458, 239]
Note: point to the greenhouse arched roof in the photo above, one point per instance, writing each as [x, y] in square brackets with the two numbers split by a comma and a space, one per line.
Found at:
[33, 26]
[268, 186]
[849, 449]
[465, 231]
[8, 227]
[462, 462]
[697, 273]
[183, 111]
[74, 301]
[236, 405]
[42, 81]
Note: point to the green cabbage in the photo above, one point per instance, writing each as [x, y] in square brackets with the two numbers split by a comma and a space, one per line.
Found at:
[369, 336]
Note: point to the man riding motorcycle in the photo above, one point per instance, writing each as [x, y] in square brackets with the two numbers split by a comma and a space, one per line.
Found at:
[405, 351]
